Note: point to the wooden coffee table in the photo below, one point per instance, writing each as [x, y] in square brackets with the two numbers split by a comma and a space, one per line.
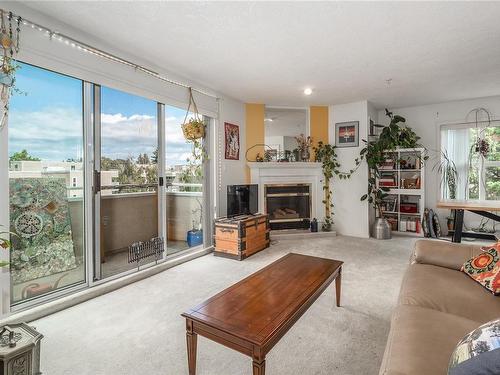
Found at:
[252, 315]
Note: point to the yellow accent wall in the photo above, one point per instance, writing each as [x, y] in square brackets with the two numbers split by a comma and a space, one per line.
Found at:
[254, 131]
[318, 125]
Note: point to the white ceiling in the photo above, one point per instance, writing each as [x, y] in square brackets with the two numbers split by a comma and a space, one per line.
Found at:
[269, 52]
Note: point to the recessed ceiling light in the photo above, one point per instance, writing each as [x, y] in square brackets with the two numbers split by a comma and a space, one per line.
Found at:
[268, 119]
[308, 91]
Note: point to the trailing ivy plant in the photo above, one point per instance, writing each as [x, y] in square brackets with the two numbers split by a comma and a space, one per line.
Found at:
[393, 136]
[5, 244]
[326, 154]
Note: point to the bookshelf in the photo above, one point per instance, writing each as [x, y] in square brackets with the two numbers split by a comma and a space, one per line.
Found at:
[403, 173]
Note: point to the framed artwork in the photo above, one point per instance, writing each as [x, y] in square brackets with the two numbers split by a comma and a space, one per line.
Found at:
[347, 134]
[232, 137]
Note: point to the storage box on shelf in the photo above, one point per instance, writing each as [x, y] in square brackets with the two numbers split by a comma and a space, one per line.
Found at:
[403, 173]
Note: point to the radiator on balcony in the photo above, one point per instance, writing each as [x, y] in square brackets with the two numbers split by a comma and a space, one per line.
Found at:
[146, 249]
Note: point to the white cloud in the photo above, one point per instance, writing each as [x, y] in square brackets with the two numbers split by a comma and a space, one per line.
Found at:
[57, 134]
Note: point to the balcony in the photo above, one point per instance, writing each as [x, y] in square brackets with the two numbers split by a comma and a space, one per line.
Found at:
[125, 218]
[132, 217]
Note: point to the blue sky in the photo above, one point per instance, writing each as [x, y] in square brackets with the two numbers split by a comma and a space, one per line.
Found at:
[48, 120]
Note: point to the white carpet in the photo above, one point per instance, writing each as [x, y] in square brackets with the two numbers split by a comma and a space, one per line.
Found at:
[138, 329]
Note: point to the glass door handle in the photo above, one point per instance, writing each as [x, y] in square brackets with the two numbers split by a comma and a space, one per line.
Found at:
[97, 181]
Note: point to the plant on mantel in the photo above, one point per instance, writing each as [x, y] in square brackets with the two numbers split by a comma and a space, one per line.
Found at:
[392, 137]
[327, 156]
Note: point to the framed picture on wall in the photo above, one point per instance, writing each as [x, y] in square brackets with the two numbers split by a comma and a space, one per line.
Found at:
[347, 134]
[232, 141]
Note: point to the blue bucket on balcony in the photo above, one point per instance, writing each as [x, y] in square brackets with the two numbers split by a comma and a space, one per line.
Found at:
[194, 237]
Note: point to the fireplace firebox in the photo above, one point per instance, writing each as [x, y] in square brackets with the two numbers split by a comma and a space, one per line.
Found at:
[288, 205]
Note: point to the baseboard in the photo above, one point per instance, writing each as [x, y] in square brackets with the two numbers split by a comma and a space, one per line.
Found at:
[299, 234]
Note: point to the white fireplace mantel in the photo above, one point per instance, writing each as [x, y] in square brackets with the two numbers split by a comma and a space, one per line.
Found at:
[266, 173]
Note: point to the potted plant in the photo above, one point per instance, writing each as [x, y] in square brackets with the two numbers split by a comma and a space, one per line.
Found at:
[194, 129]
[393, 136]
[303, 145]
[327, 156]
[8, 85]
[8, 71]
[449, 177]
[195, 235]
[5, 244]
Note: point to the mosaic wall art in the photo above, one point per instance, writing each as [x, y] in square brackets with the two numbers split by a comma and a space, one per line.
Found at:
[40, 218]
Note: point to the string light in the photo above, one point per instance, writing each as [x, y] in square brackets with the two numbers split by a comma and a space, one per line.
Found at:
[105, 55]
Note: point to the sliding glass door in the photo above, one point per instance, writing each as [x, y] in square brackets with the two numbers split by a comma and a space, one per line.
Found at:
[185, 166]
[137, 193]
[46, 183]
[127, 178]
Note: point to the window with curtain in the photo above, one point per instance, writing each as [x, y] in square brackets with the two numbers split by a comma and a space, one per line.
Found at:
[478, 172]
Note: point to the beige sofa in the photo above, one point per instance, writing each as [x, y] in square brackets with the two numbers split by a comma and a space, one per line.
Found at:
[437, 306]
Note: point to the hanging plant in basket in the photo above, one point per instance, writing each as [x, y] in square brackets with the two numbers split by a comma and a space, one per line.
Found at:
[194, 131]
[194, 127]
[9, 40]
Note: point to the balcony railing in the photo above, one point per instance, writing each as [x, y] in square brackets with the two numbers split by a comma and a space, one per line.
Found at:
[127, 217]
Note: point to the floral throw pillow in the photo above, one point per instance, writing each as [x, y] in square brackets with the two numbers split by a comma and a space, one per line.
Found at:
[485, 269]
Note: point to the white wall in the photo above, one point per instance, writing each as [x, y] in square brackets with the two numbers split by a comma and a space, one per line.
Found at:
[231, 171]
[350, 214]
[426, 120]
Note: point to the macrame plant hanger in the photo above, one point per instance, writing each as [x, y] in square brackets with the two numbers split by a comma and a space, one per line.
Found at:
[194, 129]
[480, 146]
[9, 40]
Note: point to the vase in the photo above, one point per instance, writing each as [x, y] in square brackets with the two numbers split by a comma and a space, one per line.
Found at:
[304, 155]
[382, 229]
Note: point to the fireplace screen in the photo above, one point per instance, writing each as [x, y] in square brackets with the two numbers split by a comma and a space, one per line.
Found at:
[288, 206]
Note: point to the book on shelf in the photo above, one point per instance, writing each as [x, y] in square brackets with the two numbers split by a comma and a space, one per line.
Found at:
[389, 204]
[388, 179]
[387, 182]
[387, 164]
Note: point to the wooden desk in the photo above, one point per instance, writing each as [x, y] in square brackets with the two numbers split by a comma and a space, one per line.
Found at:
[252, 315]
[482, 208]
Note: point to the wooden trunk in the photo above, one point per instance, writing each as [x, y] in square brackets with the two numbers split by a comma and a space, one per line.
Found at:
[241, 236]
